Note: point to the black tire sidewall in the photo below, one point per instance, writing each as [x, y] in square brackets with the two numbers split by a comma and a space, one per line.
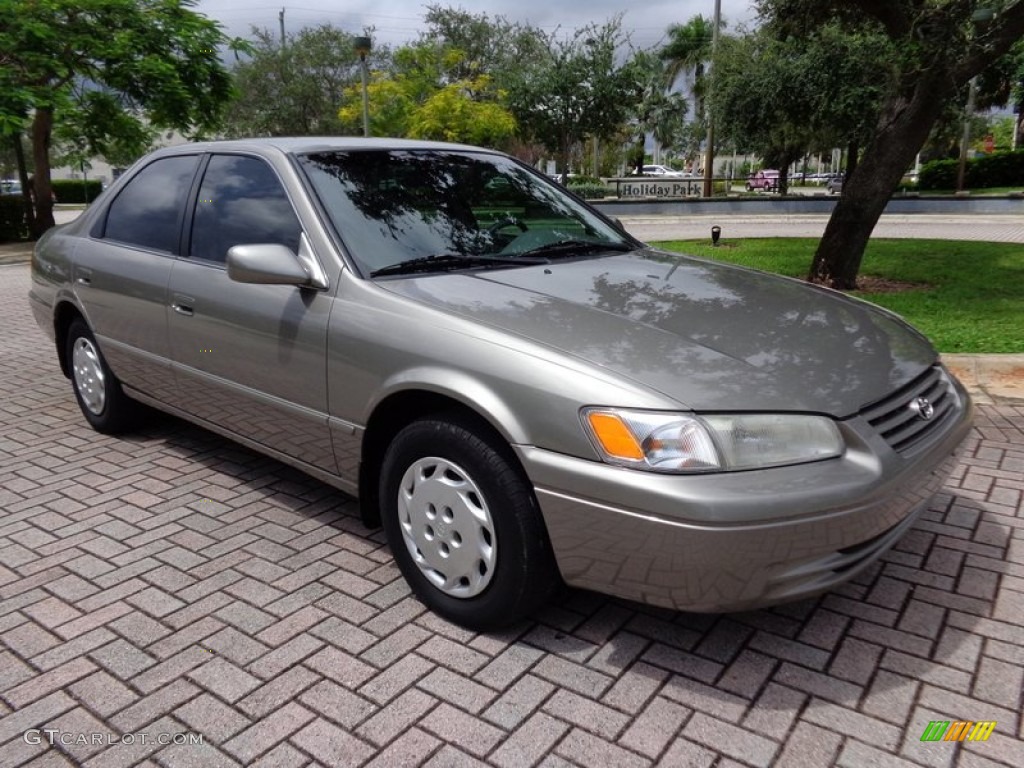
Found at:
[116, 406]
[524, 575]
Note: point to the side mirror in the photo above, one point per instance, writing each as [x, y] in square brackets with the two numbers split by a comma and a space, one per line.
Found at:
[266, 264]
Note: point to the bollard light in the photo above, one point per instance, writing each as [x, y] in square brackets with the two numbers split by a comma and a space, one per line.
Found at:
[716, 233]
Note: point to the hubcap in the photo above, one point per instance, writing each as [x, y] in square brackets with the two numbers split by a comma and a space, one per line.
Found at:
[88, 372]
[447, 527]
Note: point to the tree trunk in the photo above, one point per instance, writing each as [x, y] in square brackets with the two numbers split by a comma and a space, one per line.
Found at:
[26, 193]
[904, 126]
[42, 126]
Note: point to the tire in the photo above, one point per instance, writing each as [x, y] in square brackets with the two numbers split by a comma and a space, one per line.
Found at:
[463, 524]
[104, 404]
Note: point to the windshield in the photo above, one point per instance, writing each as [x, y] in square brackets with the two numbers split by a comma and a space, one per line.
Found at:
[391, 206]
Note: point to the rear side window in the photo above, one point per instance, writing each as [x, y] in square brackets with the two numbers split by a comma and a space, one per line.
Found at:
[241, 201]
[148, 211]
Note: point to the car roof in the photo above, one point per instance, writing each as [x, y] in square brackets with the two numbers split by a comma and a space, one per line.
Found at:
[305, 144]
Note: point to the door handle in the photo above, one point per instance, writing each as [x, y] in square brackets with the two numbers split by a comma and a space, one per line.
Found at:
[83, 276]
[183, 305]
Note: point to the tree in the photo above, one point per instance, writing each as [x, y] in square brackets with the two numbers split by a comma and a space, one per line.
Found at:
[420, 99]
[575, 89]
[92, 123]
[292, 87]
[755, 104]
[941, 46]
[490, 46]
[657, 111]
[156, 59]
[687, 53]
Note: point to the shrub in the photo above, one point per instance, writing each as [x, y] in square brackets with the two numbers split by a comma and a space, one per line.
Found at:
[12, 219]
[1000, 169]
[588, 191]
[76, 190]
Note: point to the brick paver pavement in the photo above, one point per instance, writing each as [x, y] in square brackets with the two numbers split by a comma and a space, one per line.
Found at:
[174, 583]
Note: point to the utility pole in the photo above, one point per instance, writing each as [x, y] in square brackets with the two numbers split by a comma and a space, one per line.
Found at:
[965, 140]
[362, 46]
[709, 152]
[280, 19]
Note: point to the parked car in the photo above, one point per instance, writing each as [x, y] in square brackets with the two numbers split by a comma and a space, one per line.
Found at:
[10, 187]
[517, 389]
[767, 180]
[661, 170]
[835, 184]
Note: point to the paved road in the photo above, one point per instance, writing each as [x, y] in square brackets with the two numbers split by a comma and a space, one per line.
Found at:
[991, 228]
[171, 582]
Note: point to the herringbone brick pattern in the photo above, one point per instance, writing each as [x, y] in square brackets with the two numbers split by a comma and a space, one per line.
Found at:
[174, 583]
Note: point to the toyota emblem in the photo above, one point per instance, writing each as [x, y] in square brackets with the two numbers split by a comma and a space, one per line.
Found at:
[923, 408]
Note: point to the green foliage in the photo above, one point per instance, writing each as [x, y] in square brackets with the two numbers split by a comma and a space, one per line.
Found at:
[969, 296]
[156, 55]
[12, 219]
[418, 100]
[291, 88]
[76, 190]
[656, 111]
[452, 114]
[156, 60]
[575, 88]
[1000, 169]
[94, 123]
[489, 46]
[758, 104]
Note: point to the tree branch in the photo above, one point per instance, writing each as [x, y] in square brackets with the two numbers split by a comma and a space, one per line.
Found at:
[1005, 30]
[891, 15]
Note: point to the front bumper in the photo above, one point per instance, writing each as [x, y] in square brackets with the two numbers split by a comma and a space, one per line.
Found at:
[736, 541]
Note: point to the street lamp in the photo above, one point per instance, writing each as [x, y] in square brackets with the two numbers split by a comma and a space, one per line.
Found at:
[362, 46]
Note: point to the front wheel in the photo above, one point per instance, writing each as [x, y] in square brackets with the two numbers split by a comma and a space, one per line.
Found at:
[463, 525]
[104, 404]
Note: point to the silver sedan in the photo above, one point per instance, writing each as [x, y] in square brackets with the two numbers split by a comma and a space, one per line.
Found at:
[517, 390]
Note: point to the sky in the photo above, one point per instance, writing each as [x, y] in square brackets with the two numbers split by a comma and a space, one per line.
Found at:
[399, 21]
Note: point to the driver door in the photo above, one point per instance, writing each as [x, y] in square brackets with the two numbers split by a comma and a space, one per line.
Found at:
[249, 358]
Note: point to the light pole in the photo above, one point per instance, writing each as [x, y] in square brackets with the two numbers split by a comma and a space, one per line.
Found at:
[362, 45]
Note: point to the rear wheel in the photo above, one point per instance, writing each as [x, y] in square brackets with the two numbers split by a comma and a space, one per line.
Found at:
[463, 524]
[104, 404]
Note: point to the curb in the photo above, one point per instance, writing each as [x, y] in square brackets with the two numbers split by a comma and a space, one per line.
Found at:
[990, 378]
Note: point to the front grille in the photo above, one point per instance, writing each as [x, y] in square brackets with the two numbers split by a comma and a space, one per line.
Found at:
[900, 423]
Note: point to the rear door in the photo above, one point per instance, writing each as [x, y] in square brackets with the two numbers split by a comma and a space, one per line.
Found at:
[249, 358]
[121, 272]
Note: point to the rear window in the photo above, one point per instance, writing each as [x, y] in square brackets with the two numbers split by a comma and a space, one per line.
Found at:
[147, 212]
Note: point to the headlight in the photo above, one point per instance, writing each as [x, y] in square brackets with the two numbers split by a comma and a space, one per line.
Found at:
[676, 442]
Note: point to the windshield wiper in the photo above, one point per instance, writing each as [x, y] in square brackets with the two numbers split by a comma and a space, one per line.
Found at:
[444, 262]
[567, 248]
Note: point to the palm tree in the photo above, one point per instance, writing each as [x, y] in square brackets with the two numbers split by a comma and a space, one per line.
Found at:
[657, 111]
[686, 53]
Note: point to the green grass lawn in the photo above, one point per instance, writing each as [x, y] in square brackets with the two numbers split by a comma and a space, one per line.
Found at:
[968, 297]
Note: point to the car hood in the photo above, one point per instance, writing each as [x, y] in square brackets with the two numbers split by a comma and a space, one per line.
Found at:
[708, 335]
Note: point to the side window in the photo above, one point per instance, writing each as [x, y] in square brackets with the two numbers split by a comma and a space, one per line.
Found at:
[148, 211]
[240, 201]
